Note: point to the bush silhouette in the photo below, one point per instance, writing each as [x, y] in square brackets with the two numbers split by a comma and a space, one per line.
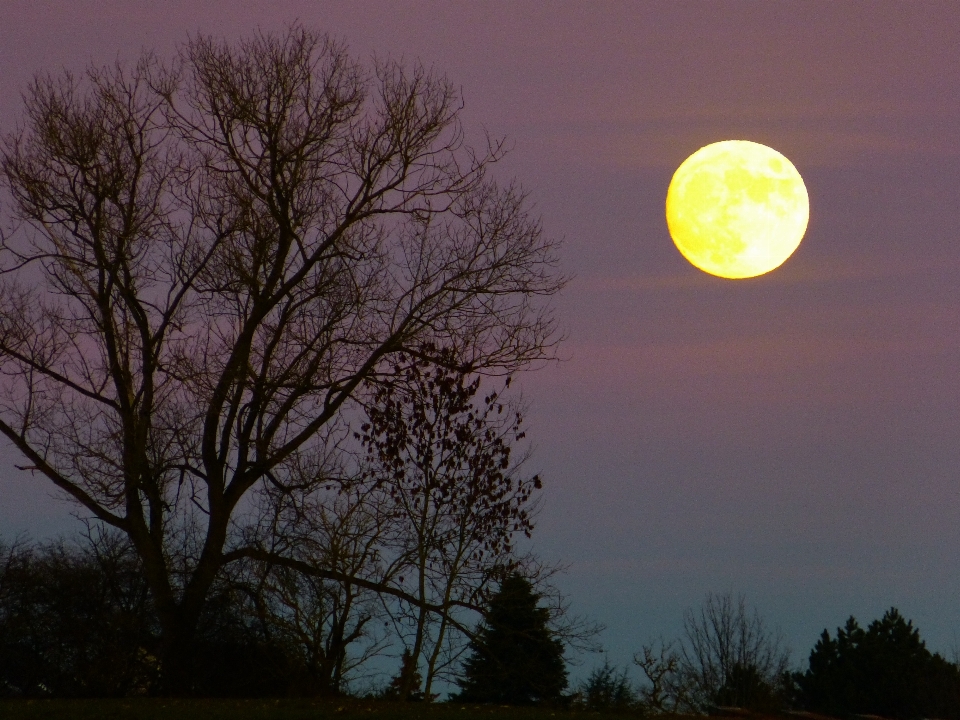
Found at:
[608, 690]
[746, 687]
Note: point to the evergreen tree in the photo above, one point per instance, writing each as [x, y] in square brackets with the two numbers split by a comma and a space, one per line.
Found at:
[608, 690]
[405, 685]
[883, 670]
[515, 658]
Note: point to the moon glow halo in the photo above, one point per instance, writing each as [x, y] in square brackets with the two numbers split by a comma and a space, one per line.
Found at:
[737, 209]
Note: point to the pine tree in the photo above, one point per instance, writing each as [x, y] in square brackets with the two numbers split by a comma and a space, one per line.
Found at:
[608, 690]
[515, 658]
[884, 670]
[406, 684]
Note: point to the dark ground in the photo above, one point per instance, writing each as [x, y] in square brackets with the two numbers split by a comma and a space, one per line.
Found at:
[273, 709]
[282, 709]
[266, 709]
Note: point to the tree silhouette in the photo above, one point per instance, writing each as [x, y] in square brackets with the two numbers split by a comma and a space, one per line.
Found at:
[883, 670]
[75, 619]
[607, 690]
[204, 262]
[515, 658]
[663, 691]
[745, 687]
[406, 684]
[457, 498]
[724, 649]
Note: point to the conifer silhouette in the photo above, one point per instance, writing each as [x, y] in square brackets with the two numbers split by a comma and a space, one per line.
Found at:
[884, 670]
[406, 684]
[515, 658]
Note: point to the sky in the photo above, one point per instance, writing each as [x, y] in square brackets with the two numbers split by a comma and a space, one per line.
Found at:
[793, 437]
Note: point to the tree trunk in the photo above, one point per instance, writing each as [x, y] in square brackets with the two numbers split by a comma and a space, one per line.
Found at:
[432, 664]
[409, 674]
[177, 644]
[179, 621]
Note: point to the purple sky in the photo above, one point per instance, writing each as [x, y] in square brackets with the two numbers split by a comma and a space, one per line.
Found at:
[795, 437]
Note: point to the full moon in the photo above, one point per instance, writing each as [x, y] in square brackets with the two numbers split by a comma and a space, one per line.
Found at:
[737, 209]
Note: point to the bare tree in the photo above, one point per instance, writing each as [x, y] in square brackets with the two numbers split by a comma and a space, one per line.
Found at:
[331, 623]
[459, 497]
[662, 691]
[205, 261]
[723, 642]
[727, 655]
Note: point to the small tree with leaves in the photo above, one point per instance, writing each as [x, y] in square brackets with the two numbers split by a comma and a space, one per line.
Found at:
[515, 659]
[444, 459]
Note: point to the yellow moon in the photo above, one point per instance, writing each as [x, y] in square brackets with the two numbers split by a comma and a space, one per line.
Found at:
[737, 209]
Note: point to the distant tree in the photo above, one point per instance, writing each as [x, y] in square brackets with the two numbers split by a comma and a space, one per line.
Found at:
[76, 620]
[746, 688]
[406, 684]
[941, 687]
[328, 625]
[726, 650]
[235, 654]
[883, 670]
[662, 691]
[607, 690]
[23, 668]
[726, 656]
[515, 659]
[831, 685]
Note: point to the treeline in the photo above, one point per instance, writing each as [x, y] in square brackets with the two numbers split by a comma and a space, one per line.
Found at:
[77, 621]
[412, 539]
[727, 657]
